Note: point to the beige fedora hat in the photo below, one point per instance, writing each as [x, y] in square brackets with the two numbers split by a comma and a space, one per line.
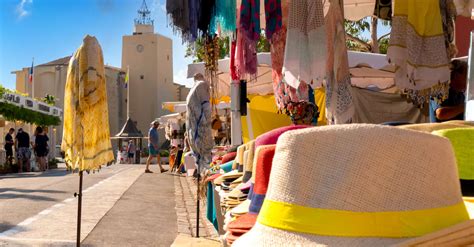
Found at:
[357, 185]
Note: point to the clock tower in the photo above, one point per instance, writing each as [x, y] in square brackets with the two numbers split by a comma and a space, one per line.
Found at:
[149, 59]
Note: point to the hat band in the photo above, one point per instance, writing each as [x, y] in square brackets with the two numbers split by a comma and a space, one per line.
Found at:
[341, 223]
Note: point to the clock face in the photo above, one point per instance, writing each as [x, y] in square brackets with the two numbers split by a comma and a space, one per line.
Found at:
[140, 48]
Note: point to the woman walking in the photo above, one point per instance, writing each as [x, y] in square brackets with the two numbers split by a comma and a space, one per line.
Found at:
[41, 148]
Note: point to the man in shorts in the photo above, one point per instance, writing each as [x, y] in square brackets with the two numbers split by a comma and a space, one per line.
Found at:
[9, 145]
[153, 147]
[22, 143]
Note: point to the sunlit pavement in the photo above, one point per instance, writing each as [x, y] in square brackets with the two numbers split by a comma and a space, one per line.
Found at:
[40, 209]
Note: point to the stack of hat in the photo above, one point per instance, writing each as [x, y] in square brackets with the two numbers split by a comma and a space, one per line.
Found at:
[246, 221]
[360, 185]
[247, 212]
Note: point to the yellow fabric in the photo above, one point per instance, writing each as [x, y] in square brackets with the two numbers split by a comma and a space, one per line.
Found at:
[462, 140]
[320, 99]
[86, 135]
[423, 15]
[264, 116]
[262, 111]
[340, 223]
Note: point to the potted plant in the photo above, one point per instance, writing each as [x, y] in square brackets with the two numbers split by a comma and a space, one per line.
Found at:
[164, 155]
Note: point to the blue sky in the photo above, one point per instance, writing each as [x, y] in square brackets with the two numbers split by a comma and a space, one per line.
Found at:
[51, 29]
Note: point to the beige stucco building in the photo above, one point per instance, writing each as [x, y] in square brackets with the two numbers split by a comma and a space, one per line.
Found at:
[50, 78]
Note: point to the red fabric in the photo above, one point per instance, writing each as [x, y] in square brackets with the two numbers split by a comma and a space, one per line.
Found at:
[244, 222]
[213, 177]
[233, 70]
[463, 27]
[271, 137]
[228, 157]
[264, 167]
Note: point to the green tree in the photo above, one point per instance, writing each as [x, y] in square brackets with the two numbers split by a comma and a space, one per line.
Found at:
[196, 50]
[356, 40]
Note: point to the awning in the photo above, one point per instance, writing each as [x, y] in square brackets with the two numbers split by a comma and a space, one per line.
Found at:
[370, 62]
[180, 106]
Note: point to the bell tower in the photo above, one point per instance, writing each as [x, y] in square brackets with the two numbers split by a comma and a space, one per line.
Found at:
[148, 56]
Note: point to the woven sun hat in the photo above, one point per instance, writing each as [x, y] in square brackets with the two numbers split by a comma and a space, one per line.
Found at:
[228, 157]
[239, 157]
[357, 185]
[228, 177]
[430, 127]
[262, 176]
[242, 209]
[272, 136]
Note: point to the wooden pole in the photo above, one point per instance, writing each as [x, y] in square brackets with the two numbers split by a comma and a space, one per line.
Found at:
[79, 210]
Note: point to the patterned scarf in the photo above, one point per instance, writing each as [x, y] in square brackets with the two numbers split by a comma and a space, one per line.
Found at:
[250, 18]
[340, 109]
[273, 17]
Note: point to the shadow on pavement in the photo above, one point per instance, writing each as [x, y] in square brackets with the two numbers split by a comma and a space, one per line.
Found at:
[50, 173]
[5, 226]
[30, 191]
[29, 197]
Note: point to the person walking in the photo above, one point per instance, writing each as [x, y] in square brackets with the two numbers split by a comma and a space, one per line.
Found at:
[41, 148]
[153, 147]
[22, 145]
[131, 150]
[9, 146]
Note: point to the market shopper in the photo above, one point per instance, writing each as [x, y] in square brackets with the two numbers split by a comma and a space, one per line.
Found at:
[41, 148]
[153, 147]
[453, 107]
[131, 150]
[9, 146]
[22, 145]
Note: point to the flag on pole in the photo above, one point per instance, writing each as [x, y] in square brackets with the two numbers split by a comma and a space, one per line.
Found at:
[127, 77]
[30, 74]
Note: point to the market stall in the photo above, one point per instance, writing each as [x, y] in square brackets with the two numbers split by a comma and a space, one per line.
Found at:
[128, 133]
[302, 185]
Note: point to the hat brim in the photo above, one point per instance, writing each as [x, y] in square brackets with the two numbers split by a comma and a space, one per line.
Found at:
[243, 208]
[261, 235]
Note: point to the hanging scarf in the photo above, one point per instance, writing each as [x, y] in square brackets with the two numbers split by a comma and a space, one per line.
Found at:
[418, 50]
[340, 109]
[206, 11]
[86, 140]
[277, 52]
[225, 18]
[448, 16]
[194, 6]
[246, 54]
[233, 69]
[178, 14]
[305, 52]
[273, 17]
[250, 18]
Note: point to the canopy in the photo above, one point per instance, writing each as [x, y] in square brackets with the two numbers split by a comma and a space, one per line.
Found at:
[366, 69]
[170, 117]
[129, 130]
[180, 106]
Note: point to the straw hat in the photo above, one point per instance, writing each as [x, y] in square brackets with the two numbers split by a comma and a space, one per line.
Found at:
[228, 157]
[357, 185]
[272, 136]
[430, 127]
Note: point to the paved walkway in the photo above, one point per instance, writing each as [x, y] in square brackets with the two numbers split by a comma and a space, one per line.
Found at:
[186, 212]
[56, 225]
[144, 216]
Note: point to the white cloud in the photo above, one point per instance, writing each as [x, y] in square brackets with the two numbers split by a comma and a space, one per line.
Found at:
[181, 78]
[22, 8]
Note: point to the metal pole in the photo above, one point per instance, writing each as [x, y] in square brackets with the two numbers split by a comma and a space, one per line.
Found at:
[198, 201]
[79, 211]
[128, 93]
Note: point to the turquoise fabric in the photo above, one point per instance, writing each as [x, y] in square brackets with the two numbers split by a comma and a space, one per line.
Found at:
[211, 210]
[227, 167]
